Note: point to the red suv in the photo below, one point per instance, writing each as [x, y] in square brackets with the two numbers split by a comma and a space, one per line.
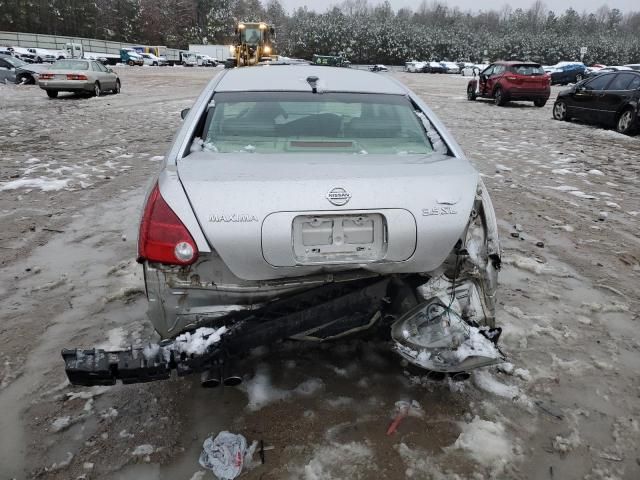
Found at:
[504, 81]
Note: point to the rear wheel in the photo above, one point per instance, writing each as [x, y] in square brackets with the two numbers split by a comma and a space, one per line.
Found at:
[625, 123]
[539, 103]
[471, 93]
[97, 91]
[52, 93]
[560, 110]
[26, 79]
[498, 97]
[130, 62]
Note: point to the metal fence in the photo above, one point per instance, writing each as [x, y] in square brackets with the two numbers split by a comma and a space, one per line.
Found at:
[57, 42]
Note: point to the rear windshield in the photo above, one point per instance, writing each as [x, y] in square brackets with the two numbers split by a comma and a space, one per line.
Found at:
[527, 69]
[70, 65]
[282, 122]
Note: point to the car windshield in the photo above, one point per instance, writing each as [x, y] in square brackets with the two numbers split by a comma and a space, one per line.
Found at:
[527, 69]
[16, 62]
[70, 65]
[294, 122]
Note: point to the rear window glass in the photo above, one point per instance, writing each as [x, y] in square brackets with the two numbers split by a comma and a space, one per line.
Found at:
[70, 65]
[276, 122]
[527, 69]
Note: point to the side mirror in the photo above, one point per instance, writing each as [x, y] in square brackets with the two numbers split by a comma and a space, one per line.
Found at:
[184, 113]
[109, 70]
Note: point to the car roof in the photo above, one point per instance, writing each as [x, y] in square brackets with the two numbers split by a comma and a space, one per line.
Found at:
[515, 62]
[293, 78]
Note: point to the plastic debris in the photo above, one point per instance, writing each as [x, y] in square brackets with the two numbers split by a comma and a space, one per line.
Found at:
[226, 455]
[404, 409]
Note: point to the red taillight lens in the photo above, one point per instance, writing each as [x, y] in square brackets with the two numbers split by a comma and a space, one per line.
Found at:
[46, 76]
[72, 76]
[163, 237]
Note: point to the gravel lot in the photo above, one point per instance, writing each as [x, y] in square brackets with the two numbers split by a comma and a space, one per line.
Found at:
[73, 172]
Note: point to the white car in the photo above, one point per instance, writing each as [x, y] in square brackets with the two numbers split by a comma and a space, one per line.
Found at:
[23, 54]
[414, 66]
[42, 55]
[152, 60]
[451, 67]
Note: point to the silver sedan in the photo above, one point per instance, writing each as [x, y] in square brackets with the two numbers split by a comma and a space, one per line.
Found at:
[311, 203]
[78, 76]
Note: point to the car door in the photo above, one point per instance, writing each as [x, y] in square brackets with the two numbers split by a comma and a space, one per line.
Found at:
[483, 78]
[493, 79]
[109, 77]
[585, 98]
[613, 98]
[7, 72]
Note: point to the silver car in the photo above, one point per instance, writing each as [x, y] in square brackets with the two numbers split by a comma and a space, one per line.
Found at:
[73, 75]
[311, 203]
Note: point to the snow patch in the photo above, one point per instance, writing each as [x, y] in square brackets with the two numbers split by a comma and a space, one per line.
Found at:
[262, 393]
[42, 183]
[197, 342]
[142, 450]
[486, 442]
[487, 382]
[336, 461]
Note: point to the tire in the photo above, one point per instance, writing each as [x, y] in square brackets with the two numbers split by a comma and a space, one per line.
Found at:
[498, 97]
[52, 93]
[154, 64]
[471, 93]
[97, 91]
[38, 60]
[539, 103]
[130, 63]
[560, 111]
[26, 79]
[117, 89]
[626, 122]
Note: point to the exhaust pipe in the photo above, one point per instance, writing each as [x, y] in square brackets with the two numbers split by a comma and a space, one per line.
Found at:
[211, 378]
[230, 380]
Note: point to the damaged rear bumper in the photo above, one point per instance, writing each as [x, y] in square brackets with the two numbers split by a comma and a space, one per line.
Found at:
[323, 313]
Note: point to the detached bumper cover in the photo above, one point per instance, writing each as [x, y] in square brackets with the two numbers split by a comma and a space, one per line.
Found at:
[324, 310]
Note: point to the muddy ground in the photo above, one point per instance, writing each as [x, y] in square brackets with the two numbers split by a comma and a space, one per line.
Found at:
[73, 172]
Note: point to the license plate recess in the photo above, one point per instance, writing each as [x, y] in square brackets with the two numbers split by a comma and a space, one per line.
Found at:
[350, 238]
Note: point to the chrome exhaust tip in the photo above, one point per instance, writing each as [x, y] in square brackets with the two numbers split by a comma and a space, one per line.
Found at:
[230, 380]
[211, 378]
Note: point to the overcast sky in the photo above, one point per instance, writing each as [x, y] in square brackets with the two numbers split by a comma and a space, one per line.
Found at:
[555, 5]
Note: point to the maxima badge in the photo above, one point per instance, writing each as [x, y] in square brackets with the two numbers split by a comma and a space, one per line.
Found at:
[338, 196]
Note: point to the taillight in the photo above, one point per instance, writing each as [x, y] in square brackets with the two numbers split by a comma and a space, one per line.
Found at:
[46, 76]
[163, 237]
[73, 76]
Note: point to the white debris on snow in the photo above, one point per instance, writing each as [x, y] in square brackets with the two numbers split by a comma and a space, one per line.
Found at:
[116, 339]
[109, 413]
[197, 342]
[125, 434]
[486, 442]
[60, 424]
[566, 444]
[261, 392]
[42, 183]
[523, 374]
[419, 464]
[336, 461]
[157, 158]
[142, 450]
[87, 394]
[485, 381]
[532, 265]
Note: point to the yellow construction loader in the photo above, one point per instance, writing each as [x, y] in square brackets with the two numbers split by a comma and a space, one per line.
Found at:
[253, 44]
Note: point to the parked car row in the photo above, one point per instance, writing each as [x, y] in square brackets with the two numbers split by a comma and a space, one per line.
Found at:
[611, 97]
[432, 67]
[33, 55]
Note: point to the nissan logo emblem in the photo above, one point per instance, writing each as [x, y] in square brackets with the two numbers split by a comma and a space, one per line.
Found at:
[338, 196]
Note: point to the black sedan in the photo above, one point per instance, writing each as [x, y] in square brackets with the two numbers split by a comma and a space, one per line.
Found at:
[610, 99]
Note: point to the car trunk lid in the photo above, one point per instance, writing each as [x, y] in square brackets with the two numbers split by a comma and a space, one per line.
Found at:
[271, 216]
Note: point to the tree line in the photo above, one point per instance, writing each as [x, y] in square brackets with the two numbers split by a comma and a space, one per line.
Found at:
[363, 32]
